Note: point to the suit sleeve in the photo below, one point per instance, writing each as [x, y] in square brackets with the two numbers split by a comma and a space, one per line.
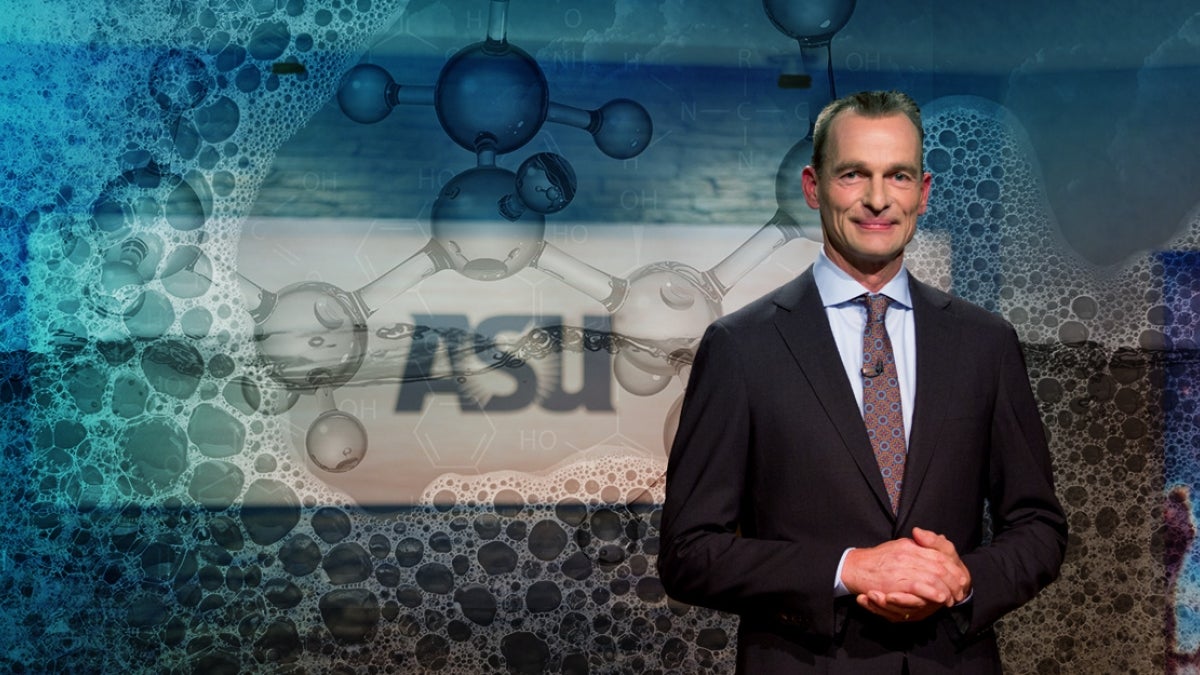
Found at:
[1029, 528]
[704, 558]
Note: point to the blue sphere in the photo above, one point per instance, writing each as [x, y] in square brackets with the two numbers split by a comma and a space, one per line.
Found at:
[625, 129]
[493, 91]
[364, 93]
[476, 239]
[336, 441]
[546, 183]
[311, 334]
[812, 22]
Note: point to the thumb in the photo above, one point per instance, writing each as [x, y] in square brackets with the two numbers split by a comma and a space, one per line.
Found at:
[931, 539]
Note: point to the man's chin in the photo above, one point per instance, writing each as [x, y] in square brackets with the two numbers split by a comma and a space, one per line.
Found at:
[878, 259]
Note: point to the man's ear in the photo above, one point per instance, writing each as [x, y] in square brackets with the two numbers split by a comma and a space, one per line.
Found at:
[808, 179]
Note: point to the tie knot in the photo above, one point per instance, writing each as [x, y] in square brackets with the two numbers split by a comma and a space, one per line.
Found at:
[876, 306]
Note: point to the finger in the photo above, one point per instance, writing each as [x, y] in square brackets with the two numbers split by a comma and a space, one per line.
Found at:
[904, 605]
[922, 576]
[937, 550]
[937, 593]
[896, 613]
[939, 583]
[864, 601]
[932, 540]
[888, 612]
[905, 602]
[956, 574]
[903, 565]
[899, 603]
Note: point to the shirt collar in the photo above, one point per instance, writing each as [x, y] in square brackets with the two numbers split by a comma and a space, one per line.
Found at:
[836, 287]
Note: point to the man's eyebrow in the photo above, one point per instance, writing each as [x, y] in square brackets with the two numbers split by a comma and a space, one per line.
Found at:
[860, 166]
[841, 167]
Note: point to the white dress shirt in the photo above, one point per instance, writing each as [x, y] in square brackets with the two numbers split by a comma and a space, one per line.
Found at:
[847, 319]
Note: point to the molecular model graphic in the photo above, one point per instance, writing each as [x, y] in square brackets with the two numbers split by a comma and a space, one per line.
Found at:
[489, 223]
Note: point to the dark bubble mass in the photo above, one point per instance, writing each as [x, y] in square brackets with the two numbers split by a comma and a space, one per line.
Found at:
[351, 615]
[435, 578]
[1099, 347]
[218, 121]
[157, 450]
[524, 653]
[299, 556]
[477, 604]
[496, 557]
[331, 524]
[173, 368]
[216, 432]
[347, 563]
[543, 596]
[269, 511]
[409, 551]
[547, 540]
[269, 40]
[216, 485]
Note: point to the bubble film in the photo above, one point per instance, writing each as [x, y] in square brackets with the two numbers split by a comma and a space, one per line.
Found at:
[1099, 345]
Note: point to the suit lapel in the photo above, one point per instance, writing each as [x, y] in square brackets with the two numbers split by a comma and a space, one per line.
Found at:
[937, 355]
[805, 329]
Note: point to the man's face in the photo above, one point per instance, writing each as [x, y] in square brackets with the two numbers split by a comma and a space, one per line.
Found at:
[869, 192]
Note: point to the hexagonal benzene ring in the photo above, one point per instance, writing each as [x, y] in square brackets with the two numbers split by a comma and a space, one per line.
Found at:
[451, 439]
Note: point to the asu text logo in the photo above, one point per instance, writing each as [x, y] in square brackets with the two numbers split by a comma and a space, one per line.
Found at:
[489, 373]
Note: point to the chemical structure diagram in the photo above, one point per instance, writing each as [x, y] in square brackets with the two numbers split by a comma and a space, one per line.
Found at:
[488, 223]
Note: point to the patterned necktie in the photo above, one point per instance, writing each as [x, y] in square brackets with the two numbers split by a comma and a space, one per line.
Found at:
[882, 411]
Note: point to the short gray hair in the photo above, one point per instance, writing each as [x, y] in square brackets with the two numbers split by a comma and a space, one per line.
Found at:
[867, 104]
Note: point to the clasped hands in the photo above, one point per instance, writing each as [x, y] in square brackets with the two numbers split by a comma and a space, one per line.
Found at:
[907, 579]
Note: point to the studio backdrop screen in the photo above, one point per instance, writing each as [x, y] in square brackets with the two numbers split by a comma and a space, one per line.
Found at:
[351, 335]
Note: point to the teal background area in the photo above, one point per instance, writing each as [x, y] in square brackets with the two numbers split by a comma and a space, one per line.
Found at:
[172, 169]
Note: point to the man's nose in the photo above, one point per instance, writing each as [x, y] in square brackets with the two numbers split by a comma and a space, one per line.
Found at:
[876, 197]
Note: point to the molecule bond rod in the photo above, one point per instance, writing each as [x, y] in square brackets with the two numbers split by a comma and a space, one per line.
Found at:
[253, 295]
[324, 399]
[485, 150]
[498, 21]
[416, 268]
[412, 94]
[768, 239]
[575, 117]
[606, 289]
[818, 63]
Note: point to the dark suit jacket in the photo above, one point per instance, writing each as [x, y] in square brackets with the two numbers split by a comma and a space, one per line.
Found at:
[771, 477]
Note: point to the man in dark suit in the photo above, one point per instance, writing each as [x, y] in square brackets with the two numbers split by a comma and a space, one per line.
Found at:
[836, 453]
